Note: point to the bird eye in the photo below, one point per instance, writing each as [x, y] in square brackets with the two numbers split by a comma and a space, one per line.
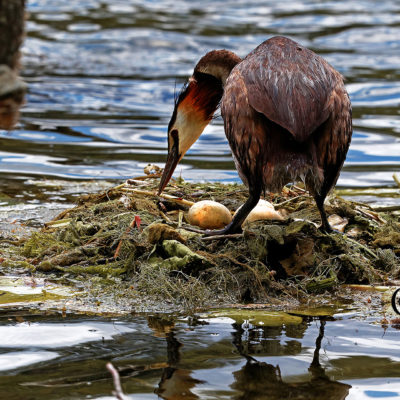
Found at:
[174, 133]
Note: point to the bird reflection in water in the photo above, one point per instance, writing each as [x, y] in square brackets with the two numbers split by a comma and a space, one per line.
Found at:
[12, 95]
[255, 380]
[175, 383]
[260, 380]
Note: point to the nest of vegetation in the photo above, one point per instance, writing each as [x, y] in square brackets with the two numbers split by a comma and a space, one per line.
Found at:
[130, 244]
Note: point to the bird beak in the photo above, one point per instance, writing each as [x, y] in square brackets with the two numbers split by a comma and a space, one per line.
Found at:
[172, 160]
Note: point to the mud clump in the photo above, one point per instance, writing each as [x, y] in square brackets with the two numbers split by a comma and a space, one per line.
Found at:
[137, 242]
[157, 232]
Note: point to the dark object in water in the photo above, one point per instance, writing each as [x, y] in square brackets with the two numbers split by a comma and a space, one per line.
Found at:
[396, 301]
[12, 87]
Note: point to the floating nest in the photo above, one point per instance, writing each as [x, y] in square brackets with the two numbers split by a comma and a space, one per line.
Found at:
[130, 246]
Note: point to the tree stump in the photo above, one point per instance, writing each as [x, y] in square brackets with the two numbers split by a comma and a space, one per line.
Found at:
[12, 88]
[12, 21]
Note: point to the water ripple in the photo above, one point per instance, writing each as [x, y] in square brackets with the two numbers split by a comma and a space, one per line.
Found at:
[103, 74]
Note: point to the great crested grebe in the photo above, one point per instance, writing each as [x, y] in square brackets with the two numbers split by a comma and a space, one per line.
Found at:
[287, 116]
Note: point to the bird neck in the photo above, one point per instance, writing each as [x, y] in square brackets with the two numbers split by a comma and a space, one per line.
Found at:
[200, 98]
[217, 63]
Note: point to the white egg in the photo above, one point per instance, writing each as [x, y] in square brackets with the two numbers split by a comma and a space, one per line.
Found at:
[209, 214]
[263, 210]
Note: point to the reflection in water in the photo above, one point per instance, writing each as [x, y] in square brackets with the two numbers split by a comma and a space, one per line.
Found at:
[255, 379]
[260, 380]
[175, 359]
[175, 383]
[12, 94]
[12, 88]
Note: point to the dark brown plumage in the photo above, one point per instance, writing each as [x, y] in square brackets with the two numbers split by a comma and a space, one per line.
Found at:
[287, 116]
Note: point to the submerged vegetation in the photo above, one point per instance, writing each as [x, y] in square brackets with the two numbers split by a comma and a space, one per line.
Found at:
[129, 247]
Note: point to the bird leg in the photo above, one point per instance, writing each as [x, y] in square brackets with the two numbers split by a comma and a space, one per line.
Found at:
[235, 226]
[325, 227]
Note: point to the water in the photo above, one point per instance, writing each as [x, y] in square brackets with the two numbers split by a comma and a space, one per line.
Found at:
[215, 358]
[102, 76]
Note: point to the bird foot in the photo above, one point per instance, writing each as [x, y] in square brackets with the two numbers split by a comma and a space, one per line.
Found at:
[327, 229]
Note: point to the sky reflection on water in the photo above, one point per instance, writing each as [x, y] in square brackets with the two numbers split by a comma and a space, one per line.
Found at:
[221, 358]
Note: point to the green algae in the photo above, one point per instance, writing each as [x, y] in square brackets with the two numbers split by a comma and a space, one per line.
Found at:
[28, 290]
[257, 317]
[157, 232]
[173, 248]
[8, 297]
[321, 311]
[17, 264]
[40, 243]
[321, 285]
[107, 270]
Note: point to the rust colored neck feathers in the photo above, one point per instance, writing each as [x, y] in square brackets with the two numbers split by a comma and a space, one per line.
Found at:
[200, 98]
[203, 96]
[205, 88]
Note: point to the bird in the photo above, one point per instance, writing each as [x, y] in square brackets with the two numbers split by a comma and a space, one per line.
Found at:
[287, 117]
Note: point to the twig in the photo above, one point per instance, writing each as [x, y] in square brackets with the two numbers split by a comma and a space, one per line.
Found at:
[61, 215]
[180, 218]
[370, 214]
[135, 221]
[118, 393]
[396, 179]
[117, 187]
[95, 236]
[387, 208]
[165, 217]
[299, 189]
[144, 177]
[288, 201]
[164, 196]
[58, 222]
[231, 236]
[244, 265]
[366, 249]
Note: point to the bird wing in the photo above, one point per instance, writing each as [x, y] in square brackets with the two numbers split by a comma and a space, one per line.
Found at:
[289, 84]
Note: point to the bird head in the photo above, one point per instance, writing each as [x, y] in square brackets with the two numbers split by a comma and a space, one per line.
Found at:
[195, 106]
[193, 111]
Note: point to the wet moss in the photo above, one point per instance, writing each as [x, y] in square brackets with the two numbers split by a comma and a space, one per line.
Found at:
[157, 232]
[107, 270]
[356, 270]
[387, 239]
[257, 317]
[135, 237]
[17, 264]
[40, 244]
[8, 297]
[175, 288]
[388, 261]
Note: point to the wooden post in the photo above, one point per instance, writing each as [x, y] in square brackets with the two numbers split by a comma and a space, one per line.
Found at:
[12, 21]
[12, 88]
